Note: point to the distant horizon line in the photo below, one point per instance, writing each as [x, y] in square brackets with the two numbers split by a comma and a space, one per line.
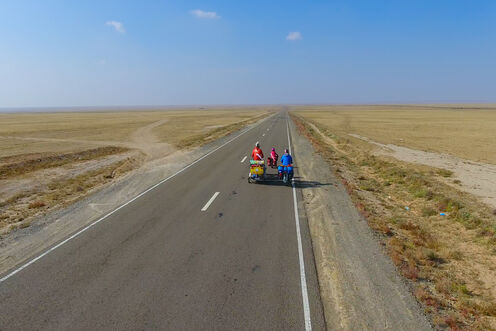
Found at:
[207, 106]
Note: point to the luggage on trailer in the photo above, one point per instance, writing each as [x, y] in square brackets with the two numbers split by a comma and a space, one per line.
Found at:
[256, 167]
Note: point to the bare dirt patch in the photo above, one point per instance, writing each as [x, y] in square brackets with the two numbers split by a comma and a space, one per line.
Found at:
[145, 140]
[473, 177]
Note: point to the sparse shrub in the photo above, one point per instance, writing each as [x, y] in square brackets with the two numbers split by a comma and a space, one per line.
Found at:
[24, 225]
[455, 255]
[452, 322]
[395, 219]
[463, 216]
[454, 205]
[385, 229]
[420, 193]
[462, 289]
[367, 187]
[443, 285]
[426, 297]
[13, 227]
[408, 226]
[445, 172]
[36, 204]
[486, 232]
[410, 270]
[434, 257]
[396, 258]
[488, 308]
[449, 205]
[428, 211]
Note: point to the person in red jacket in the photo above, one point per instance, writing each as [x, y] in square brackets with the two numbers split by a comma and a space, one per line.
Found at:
[272, 159]
[257, 153]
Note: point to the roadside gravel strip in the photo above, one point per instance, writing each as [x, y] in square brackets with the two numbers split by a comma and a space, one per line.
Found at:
[360, 287]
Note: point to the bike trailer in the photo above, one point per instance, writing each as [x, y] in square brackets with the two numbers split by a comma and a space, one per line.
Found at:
[256, 169]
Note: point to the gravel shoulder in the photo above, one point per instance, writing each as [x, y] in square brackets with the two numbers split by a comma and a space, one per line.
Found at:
[360, 287]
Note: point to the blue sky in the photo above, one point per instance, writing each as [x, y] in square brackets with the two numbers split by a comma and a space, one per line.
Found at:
[107, 53]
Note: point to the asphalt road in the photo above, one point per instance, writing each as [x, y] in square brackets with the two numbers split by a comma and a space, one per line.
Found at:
[161, 262]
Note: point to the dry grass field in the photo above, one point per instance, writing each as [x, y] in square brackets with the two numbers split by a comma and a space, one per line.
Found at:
[68, 132]
[468, 132]
[440, 237]
[49, 160]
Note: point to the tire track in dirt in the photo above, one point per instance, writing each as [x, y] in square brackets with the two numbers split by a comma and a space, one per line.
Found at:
[145, 140]
[142, 139]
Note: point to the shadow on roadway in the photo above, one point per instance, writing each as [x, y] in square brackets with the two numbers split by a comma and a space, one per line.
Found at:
[274, 180]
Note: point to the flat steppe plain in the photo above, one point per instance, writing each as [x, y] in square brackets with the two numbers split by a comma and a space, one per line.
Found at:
[51, 159]
[465, 131]
[23, 133]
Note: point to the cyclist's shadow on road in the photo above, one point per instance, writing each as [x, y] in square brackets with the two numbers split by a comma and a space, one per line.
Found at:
[274, 180]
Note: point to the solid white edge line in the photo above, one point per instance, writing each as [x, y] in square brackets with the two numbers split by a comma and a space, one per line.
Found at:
[27, 264]
[243, 160]
[303, 278]
[209, 202]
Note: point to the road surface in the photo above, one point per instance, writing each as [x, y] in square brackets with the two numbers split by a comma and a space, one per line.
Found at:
[202, 250]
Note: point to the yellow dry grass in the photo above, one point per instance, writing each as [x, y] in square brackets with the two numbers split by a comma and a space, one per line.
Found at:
[75, 131]
[465, 131]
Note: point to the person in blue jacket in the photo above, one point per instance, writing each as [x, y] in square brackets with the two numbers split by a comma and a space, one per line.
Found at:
[286, 164]
[286, 159]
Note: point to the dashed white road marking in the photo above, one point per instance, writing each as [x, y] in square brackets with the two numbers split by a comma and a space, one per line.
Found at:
[303, 278]
[243, 160]
[209, 202]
